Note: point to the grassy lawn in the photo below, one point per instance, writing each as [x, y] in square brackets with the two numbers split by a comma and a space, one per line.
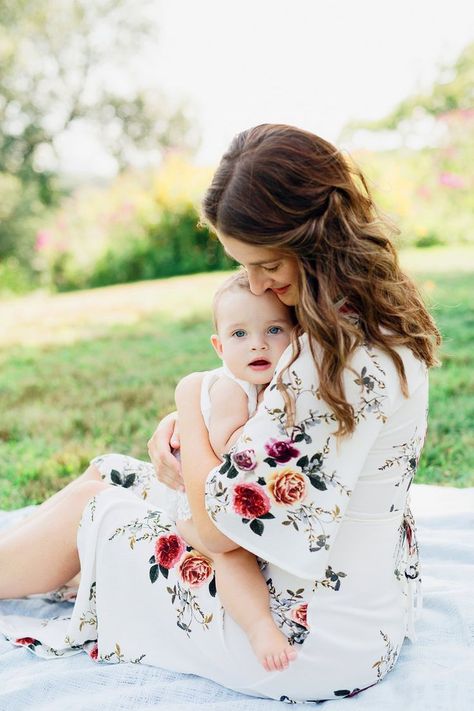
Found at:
[92, 372]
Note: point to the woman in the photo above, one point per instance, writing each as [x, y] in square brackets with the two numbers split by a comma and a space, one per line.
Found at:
[317, 486]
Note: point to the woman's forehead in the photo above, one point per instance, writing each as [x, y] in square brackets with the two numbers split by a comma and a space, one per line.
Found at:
[247, 254]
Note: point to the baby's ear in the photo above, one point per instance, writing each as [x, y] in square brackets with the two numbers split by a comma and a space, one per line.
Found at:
[216, 344]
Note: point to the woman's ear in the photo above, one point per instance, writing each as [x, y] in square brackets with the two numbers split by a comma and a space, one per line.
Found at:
[216, 344]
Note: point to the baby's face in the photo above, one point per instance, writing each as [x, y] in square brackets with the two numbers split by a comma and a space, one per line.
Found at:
[253, 332]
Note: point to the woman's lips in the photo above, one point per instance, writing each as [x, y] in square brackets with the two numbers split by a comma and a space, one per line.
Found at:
[260, 364]
[282, 289]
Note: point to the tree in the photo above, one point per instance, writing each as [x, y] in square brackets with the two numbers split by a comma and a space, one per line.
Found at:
[76, 62]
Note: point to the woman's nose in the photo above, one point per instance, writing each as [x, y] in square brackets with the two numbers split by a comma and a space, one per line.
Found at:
[258, 284]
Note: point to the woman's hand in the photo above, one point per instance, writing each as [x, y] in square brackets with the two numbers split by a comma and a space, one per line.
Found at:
[163, 440]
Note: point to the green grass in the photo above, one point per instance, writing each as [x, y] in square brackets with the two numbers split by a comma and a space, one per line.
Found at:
[93, 372]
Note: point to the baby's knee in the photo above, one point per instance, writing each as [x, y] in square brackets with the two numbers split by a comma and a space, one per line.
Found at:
[237, 554]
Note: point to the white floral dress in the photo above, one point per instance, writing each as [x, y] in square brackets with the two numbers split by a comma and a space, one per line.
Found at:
[329, 522]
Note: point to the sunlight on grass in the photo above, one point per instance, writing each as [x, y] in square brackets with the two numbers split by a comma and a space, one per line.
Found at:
[39, 318]
[42, 318]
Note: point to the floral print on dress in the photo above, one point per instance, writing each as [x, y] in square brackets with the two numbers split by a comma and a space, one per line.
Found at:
[406, 458]
[127, 472]
[192, 570]
[290, 612]
[277, 489]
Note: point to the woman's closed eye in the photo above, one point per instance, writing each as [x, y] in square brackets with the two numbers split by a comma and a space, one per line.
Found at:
[271, 269]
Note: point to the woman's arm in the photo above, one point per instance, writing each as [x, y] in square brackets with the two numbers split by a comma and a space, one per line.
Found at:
[197, 460]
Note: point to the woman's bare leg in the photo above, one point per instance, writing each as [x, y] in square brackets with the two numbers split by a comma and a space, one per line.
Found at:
[42, 555]
[91, 474]
[244, 595]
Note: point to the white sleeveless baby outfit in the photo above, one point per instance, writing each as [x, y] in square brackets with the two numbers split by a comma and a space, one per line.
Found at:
[175, 502]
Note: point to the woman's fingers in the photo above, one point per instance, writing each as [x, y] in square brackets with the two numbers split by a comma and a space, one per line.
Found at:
[174, 441]
[167, 467]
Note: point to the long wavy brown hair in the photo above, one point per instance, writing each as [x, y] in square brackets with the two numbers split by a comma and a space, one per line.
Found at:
[286, 188]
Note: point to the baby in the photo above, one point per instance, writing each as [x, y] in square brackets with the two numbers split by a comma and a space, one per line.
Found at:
[252, 333]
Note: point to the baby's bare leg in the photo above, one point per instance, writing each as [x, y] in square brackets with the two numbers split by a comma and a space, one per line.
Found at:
[244, 595]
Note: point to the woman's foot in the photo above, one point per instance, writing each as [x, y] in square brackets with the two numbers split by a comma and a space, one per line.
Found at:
[271, 646]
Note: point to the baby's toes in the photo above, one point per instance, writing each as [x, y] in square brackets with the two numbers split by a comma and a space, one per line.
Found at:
[269, 661]
[278, 662]
[284, 659]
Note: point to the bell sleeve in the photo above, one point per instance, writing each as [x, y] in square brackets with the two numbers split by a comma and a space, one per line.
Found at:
[282, 491]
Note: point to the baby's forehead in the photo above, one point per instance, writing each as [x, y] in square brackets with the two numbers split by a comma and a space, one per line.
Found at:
[244, 307]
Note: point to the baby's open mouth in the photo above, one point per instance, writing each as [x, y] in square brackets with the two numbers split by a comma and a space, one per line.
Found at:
[260, 364]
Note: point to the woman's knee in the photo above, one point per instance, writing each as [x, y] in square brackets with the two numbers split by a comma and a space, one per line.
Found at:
[87, 489]
[92, 473]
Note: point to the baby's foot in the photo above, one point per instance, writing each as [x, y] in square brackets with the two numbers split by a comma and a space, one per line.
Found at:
[271, 646]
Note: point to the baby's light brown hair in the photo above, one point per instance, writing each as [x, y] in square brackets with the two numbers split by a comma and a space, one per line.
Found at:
[237, 281]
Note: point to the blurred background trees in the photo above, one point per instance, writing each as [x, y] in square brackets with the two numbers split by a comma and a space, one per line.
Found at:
[67, 66]
[71, 69]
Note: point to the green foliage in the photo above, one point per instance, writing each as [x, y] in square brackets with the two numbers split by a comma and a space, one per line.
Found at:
[59, 62]
[429, 192]
[141, 226]
[14, 277]
[451, 91]
[173, 246]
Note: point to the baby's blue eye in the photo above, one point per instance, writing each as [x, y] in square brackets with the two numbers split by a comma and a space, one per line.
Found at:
[275, 329]
[240, 333]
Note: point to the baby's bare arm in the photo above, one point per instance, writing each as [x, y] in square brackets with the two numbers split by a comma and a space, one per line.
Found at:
[229, 413]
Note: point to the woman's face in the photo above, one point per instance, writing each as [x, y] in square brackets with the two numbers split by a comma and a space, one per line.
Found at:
[266, 269]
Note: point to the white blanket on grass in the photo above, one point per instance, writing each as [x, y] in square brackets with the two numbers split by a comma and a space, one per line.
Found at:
[434, 674]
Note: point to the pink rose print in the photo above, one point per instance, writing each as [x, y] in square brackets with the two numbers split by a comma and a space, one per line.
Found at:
[245, 460]
[287, 486]
[299, 614]
[250, 500]
[25, 640]
[281, 450]
[168, 550]
[195, 569]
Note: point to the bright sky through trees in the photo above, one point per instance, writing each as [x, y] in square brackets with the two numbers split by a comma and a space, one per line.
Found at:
[306, 62]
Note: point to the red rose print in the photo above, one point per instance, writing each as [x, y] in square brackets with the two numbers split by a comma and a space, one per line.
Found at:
[281, 450]
[287, 486]
[195, 569]
[250, 500]
[299, 614]
[168, 550]
[25, 640]
[94, 652]
[245, 460]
